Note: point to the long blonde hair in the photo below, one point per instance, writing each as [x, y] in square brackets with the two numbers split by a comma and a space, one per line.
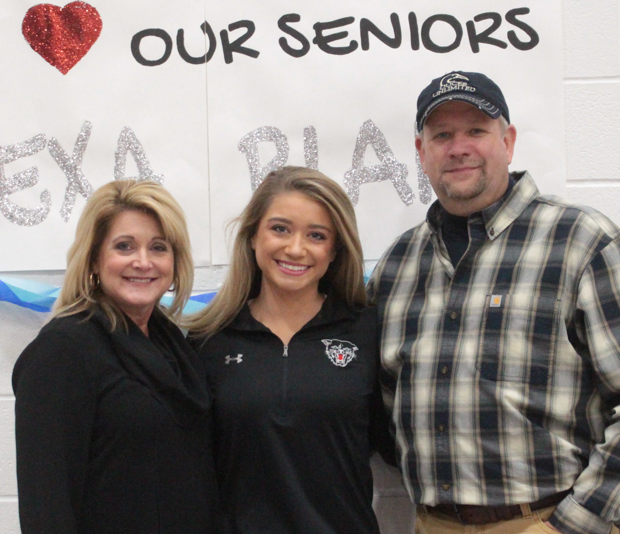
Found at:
[80, 292]
[345, 276]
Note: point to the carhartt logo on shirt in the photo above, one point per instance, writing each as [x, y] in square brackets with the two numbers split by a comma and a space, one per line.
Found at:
[237, 359]
[339, 352]
[496, 301]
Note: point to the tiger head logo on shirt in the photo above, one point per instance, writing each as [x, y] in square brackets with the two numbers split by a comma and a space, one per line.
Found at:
[340, 353]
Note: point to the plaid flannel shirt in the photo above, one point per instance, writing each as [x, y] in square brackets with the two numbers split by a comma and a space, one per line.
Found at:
[504, 372]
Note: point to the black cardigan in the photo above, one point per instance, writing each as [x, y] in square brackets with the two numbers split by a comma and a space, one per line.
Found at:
[112, 431]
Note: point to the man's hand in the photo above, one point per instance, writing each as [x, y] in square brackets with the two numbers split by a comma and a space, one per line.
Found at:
[551, 526]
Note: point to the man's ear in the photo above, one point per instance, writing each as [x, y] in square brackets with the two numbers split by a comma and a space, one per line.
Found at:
[510, 138]
[419, 145]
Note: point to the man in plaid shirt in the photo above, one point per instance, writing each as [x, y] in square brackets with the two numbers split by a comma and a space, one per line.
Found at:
[500, 336]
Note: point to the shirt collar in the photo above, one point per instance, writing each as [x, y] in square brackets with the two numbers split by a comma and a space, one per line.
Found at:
[500, 215]
[334, 309]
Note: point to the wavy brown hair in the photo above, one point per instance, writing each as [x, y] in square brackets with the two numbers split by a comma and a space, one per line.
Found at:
[344, 277]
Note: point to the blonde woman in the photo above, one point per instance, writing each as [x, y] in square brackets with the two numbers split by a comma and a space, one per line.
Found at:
[291, 355]
[112, 413]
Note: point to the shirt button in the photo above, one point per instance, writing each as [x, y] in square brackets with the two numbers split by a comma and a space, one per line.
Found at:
[445, 487]
[441, 428]
[444, 370]
[453, 315]
[492, 232]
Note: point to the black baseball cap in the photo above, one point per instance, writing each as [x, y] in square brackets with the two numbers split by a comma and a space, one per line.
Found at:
[471, 87]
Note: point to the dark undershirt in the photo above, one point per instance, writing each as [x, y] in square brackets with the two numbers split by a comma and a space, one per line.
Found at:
[455, 233]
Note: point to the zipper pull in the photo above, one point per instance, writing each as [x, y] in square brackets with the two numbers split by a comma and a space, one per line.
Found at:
[285, 355]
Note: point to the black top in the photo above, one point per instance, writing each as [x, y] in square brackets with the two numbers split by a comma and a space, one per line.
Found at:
[296, 425]
[455, 235]
[455, 229]
[112, 431]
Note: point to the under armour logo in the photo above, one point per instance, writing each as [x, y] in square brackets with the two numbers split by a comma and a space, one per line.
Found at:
[237, 359]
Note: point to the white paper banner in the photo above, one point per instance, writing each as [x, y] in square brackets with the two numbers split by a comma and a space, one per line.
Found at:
[208, 97]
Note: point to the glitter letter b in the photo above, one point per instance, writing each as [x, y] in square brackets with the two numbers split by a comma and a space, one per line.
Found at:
[249, 146]
[311, 148]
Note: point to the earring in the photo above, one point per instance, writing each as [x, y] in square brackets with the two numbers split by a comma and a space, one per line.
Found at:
[173, 287]
[94, 280]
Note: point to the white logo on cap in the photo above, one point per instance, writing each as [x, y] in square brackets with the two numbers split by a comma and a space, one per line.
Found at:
[454, 82]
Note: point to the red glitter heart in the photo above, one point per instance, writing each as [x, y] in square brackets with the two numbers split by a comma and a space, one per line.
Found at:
[62, 36]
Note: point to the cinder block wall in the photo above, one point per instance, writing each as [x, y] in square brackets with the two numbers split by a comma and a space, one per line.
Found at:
[592, 105]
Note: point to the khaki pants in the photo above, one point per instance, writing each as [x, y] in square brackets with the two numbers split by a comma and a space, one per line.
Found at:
[440, 524]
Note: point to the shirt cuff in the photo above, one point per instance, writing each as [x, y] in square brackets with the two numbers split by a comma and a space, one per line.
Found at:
[572, 518]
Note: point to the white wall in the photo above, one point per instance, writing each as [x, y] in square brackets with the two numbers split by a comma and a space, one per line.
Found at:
[592, 104]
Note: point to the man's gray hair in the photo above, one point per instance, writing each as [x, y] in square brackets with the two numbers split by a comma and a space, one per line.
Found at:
[503, 126]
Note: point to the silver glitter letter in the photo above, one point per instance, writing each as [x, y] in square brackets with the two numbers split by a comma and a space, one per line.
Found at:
[72, 167]
[128, 142]
[424, 184]
[389, 169]
[311, 148]
[249, 146]
[20, 181]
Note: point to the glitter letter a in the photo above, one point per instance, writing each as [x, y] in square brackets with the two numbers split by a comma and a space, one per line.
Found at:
[249, 146]
[72, 167]
[20, 181]
[128, 142]
[389, 169]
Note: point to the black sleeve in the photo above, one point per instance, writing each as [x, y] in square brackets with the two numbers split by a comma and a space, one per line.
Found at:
[381, 438]
[54, 412]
